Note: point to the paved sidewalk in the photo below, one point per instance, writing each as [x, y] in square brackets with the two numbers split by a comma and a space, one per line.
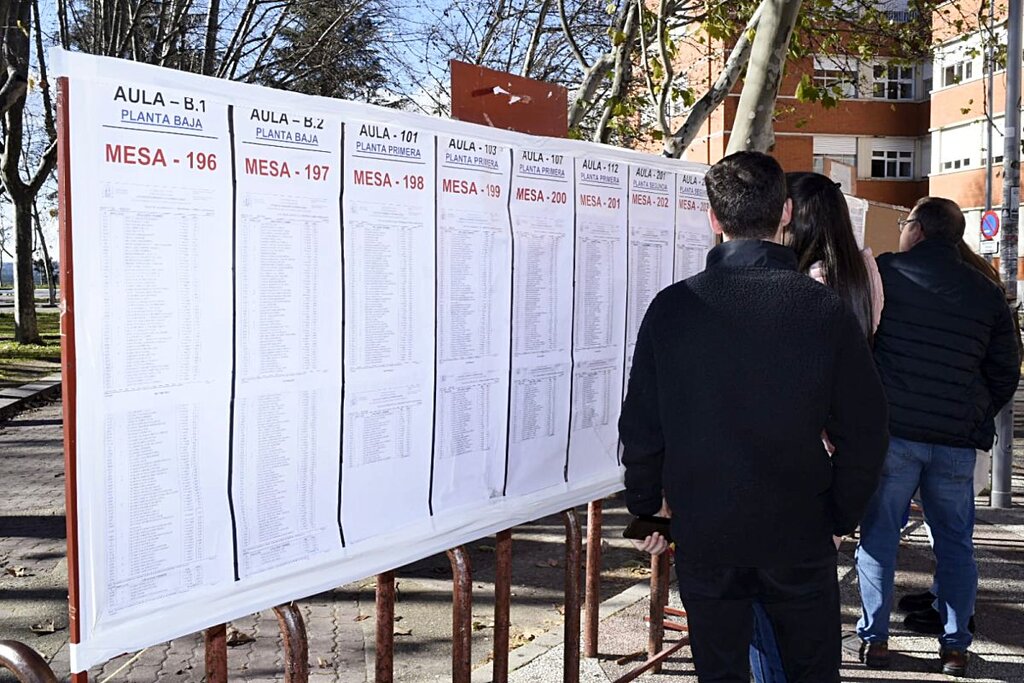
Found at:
[340, 623]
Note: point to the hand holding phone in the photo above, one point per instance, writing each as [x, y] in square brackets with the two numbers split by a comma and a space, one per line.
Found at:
[646, 525]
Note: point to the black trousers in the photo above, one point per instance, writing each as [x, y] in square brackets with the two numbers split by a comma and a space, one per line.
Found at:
[802, 603]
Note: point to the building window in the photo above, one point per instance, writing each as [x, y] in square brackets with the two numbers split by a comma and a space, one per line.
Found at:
[837, 81]
[893, 82]
[819, 161]
[892, 164]
[955, 73]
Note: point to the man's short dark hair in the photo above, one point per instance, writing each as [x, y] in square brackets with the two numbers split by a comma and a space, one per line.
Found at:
[747, 191]
[940, 218]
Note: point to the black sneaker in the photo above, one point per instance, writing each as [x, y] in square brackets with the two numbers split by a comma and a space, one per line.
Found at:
[873, 655]
[915, 602]
[927, 622]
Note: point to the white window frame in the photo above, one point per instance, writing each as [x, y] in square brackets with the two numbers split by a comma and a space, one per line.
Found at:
[830, 72]
[887, 78]
[896, 156]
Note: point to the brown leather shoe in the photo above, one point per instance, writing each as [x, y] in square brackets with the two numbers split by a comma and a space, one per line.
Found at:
[954, 662]
[874, 655]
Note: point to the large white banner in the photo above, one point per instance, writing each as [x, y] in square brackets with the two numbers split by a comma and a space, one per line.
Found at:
[317, 340]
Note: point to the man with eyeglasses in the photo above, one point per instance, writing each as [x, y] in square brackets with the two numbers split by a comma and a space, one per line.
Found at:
[947, 353]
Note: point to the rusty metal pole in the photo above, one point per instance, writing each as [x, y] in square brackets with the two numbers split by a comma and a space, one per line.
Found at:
[659, 585]
[595, 515]
[502, 599]
[25, 663]
[385, 610]
[573, 551]
[216, 642]
[296, 646]
[462, 615]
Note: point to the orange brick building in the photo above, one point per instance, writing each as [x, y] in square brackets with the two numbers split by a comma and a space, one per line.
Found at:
[959, 114]
[880, 126]
[908, 131]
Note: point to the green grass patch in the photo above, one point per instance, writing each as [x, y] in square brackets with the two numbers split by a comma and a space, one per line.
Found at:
[23, 363]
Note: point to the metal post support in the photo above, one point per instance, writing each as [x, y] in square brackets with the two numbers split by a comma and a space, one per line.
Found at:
[25, 663]
[591, 618]
[296, 647]
[462, 615]
[384, 667]
[216, 648]
[573, 554]
[659, 591]
[1002, 458]
[502, 599]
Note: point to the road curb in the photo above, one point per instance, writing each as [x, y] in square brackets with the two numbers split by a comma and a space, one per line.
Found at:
[16, 399]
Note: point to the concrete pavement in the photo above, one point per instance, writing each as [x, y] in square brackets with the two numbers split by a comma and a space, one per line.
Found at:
[340, 623]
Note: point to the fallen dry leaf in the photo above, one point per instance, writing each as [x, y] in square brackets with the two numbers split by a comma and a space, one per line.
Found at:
[18, 571]
[44, 627]
[323, 663]
[361, 617]
[403, 631]
[632, 657]
[236, 638]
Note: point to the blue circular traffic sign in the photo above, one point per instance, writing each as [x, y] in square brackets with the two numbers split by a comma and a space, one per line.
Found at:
[990, 224]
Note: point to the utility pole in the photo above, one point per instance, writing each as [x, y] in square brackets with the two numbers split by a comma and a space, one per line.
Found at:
[990, 68]
[1002, 457]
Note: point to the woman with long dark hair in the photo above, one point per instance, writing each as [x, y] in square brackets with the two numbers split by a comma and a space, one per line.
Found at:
[821, 233]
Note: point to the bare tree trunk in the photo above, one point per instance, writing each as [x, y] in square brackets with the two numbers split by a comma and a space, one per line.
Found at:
[26, 326]
[50, 285]
[753, 129]
[16, 53]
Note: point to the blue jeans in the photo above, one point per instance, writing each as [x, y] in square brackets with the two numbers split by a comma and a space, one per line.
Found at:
[765, 660]
[945, 475]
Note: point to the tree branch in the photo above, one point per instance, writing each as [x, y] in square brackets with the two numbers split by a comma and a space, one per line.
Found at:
[684, 135]
[46, 164]
[570, 38]
[13, 89]
[531, 48]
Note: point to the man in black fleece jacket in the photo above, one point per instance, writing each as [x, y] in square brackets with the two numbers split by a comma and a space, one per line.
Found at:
[737, 372]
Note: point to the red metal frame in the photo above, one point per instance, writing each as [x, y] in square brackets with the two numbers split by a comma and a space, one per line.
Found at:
[67, 360]
[216, 648]
[384, 666]
[462, 615]
[502, 600]
[591, 619]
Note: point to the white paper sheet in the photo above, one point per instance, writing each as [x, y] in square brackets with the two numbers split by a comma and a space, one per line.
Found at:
[694, 238]
[152, 169]
[542, 290]
[474, 308]
[599, 314]
[155, 323]
[287, 410]
[652, 199]
[389, 224]
[858, 217]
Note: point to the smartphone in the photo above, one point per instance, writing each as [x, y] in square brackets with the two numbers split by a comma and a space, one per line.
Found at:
[643, 526]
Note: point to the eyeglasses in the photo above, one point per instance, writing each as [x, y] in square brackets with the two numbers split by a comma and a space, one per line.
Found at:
[904, 222]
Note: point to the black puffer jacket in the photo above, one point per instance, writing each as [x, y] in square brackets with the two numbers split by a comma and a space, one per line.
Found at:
[946, 348]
